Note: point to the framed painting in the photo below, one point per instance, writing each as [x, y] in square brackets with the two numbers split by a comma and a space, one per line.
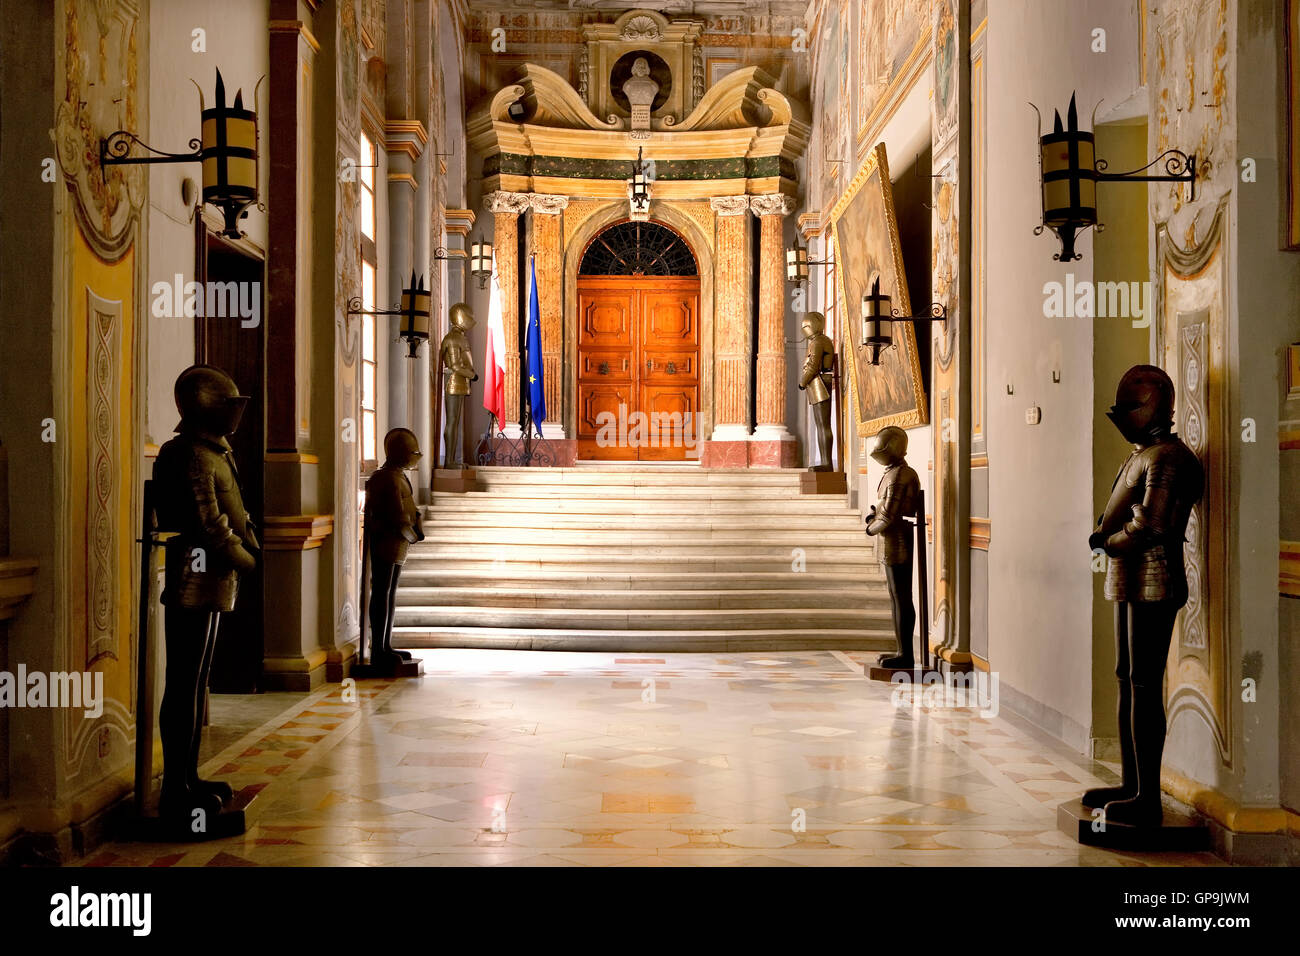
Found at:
[866, 249]
[1291, 226]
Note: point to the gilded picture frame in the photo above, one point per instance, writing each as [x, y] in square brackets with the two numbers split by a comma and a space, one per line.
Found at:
[866, 246]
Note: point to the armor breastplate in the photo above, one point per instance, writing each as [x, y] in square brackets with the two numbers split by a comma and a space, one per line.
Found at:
[898, 491]
[198, 498]
[1145, 522]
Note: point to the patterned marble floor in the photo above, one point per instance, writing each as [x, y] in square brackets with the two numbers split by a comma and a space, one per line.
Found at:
[516, 758]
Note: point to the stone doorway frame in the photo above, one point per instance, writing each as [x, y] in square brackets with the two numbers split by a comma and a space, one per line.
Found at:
[701, 246]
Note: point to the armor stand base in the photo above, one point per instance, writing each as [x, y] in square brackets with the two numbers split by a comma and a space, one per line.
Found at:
[823, 483]
[231, 821]
[1177, 832]
[412, 668]
[455, 480]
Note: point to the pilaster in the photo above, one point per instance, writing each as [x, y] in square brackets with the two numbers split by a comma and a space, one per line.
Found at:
[774, 446]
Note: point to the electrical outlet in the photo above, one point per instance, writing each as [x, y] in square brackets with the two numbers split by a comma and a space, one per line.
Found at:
[1033, 415]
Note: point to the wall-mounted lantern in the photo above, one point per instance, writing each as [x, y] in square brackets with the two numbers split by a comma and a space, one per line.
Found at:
[414, 310]
[878, 319]
[480, 261]
[638, 189]
[226, 149]
[1070, 171]
[797, 263]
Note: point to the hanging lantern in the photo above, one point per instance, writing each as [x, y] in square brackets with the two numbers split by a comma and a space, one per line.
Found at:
[796, 262]
[480, 261]
[229, 158]
[225, 149]
[876, 318]
[1069, 181]
[1070, 172]
[414, 310]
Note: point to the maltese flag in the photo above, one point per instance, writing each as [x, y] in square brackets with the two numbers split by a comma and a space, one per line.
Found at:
[494, 385]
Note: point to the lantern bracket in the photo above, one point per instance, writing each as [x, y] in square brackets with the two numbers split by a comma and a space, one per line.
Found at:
[1179, 168]
[115, 148]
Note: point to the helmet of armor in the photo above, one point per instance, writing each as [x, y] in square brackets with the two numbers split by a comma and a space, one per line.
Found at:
[890, 446]
[401, 447]
[1144, 403]
[209, 400]
[462, 317]
[814, 323]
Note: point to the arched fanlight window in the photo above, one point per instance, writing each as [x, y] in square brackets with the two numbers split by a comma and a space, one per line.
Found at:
[638, 249]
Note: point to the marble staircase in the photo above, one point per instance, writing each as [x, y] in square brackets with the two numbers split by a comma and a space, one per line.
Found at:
[642, 558]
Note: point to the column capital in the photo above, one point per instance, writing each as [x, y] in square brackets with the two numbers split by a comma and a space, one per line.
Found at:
[547, 204]
[501, 201]
[405, 136]
[729, 205]
[810, 225]
[771, 204]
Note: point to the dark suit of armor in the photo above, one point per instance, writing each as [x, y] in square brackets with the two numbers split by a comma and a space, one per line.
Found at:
[1142, 532]
[816, 380]
[392, 525]
[899, 491]
[197, 497]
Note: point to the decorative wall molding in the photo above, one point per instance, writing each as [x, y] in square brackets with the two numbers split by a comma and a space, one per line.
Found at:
[295, 532]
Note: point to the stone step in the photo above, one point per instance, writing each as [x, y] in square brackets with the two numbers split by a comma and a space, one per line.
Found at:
[576, 639]
[684, 537]
[488, 579]
[490, 522]
[854, 597]
[639, 492]
[641, 619]
[706, 557]
[810, 505]
[658, 478]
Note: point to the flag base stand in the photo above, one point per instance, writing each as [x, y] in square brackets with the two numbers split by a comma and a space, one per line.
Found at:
[455, 480]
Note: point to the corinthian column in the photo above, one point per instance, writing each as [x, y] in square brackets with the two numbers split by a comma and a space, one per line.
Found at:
[731, 332]
[506, 208]
[770, 386]
[550, 274]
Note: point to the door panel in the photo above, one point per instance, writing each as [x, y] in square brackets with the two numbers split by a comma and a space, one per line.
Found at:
[638, 361]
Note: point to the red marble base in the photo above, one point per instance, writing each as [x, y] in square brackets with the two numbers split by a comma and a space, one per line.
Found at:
[749, 454]
[773, 454]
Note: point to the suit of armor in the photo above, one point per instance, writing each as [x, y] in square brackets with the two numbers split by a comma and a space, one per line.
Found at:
[392, 525]
[458, 373]
[899, 492]
[815, 380]
[197, 493]
[1141, 532]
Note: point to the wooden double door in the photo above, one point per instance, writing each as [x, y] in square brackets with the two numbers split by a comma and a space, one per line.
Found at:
[638, 368]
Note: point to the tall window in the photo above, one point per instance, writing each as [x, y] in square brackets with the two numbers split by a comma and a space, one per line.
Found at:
[369, 258]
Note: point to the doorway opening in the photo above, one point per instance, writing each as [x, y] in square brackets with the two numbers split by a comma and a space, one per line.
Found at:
[638, 375]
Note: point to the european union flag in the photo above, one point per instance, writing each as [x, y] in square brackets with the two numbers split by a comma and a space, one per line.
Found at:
[536, 383]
